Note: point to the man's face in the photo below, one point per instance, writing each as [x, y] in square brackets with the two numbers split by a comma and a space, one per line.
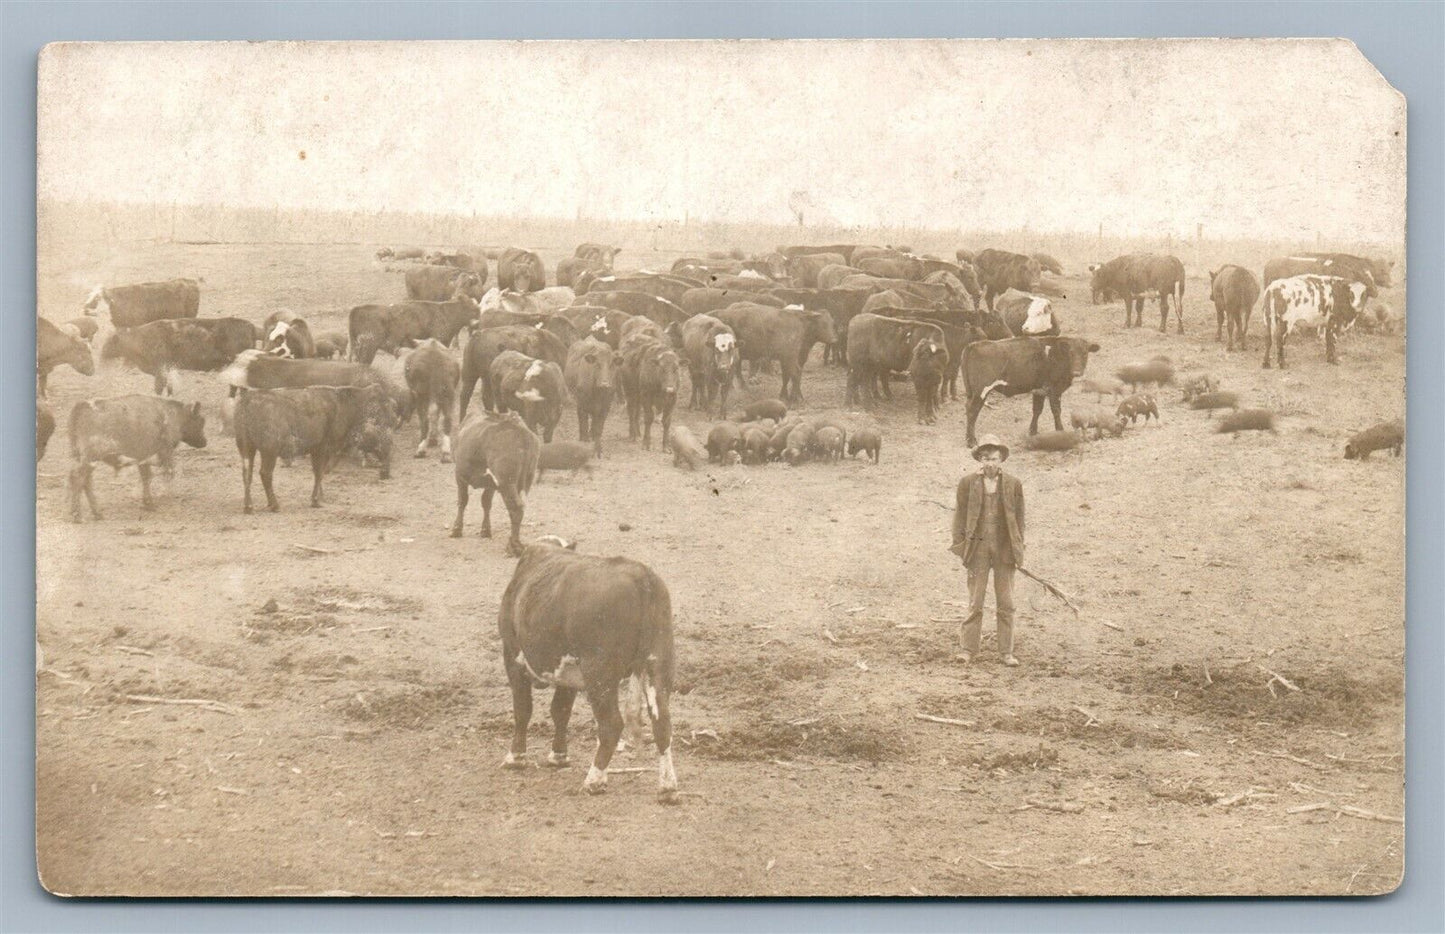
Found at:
[992, 461]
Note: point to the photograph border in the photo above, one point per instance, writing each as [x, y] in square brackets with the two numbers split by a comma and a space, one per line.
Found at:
[1403, 40]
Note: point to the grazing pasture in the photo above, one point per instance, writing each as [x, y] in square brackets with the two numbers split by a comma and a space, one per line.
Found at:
[314, 700]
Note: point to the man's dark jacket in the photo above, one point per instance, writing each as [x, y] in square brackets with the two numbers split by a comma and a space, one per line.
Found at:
[970, 503]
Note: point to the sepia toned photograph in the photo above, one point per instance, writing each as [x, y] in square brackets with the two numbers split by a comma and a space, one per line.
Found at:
[720, 468]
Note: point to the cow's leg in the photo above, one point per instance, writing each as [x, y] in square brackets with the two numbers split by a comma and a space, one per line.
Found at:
[488, 492]
[1268, 341]
[146, 502]
[422, 403]
[80, 481]
[446, 419]
[562, 699]
[248, 469]
[666, 419]
[268, 470]
[318, 467]
[463, 494]
[699, 393]
[469, 385]
[1055, 403]
[1163, 312]
[1038, 402]
[602, 696]
[521, 714]
[1329, 344]
[515, 503]
[722, 406]
[1280, 354]
[662, 738]
[648, 413]
[975, 405]
[582, 432]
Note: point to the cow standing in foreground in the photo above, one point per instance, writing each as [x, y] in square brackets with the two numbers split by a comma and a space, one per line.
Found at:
[128, 430]
[711, 350]
[496, 454]
[1233, 290]
[54, 347]
[1045, 367]
[432, 375]
[584, 622]
[1327, 303]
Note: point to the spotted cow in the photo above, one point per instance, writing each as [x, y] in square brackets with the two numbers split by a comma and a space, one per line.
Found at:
[1325, 304]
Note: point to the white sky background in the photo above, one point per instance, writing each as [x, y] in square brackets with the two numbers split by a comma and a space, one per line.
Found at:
[1270, 138]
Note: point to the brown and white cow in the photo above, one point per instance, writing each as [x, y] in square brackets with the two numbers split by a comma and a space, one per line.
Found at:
[1320, 303]
[574, 622]
[135, 429]
[133, 305]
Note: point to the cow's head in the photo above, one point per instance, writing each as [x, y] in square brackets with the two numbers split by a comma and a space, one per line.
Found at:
[556, 541]
[597, 357]
[77, 354]
[276, 342]
[193, 426]
[1099, 283]
[96, 302]
[669, 372]
[1078, 350]
[819, 324]
[469, 286]
[1358, 291]
[1040, 318]
[724, 347]
[522, 275]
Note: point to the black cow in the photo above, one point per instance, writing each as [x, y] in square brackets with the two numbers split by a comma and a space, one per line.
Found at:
[879, 346]
[199, 344]
[496, 454]
[432, 375]
[589, 375]
[322, 421]
[1343, 265]
[671, 288]
[651, 307]
[1133, 277]
[711, 349]
[601, 252]
[1233, 290]
[928, 367]
[650, 378]
[783, 334]
[580, 622]
[130, 429]
[520, 271]
[842, 305]
[134, 305]
[54, 347]
[1000, 270]
[705, 301]
[1043, 366]
[487, 343]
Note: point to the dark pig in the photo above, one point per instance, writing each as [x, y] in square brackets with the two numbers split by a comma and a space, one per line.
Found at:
[867, 440]
[1385, 435]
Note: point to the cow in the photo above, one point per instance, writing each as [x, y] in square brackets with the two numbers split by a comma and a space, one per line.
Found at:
[605, 324]
[867, 440]
[131, 306]
[803, 269]
[553, 299]
[441, 283]
[456, 259]
[742, 283]
[959, 287]
[582, 622]
[1133, 277]
[783, 334]
[1042, 366]
[1233, 290]
[1048, 264]
[520, 271]
[671, 288]
[895, 266]
[649, 383]
[651, 307]
[959, 330]
[496, 454]
[705, 301]
[1342, 265]
[1380, 269]
[534, 388]
[1382, 436]
[600, 252]
[1027, 315]
[374, 328]
[589, 375]
[928, 368]
[711, 350]
[133, 429]
[1327, 303]
[923, 292]
[289, 338]
[844, 250]
[570, 269]
[331, 344]
[54, 347]
[1000, 270]
[162, 347]
[44, 428]
[322, 421]
[879, 346]
[83, 328]
[432, 375]
[484, 346]
[842, 305]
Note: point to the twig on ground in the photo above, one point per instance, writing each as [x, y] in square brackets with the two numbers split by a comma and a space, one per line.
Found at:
[313, 549]
[1285, 755]
[938, 504]
[1276, 676]
[131, 650]
[828, 634]
[1091, 717]
[1383, 755]
[948, 720]
[944, 619]
[1351, 811]
[630, 770]
[1064, 807]
[1003, 867]
[1207, 680]
[371, 629]
[806, 721]
[214, 705]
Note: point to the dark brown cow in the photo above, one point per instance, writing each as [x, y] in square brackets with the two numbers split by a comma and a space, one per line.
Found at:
[656, 309]
[1137, 275]
[879, 346]
[331, 344]
[54, 347]
[601, 252]
[580, 622]
[1000, 270]
[432, 375]
[844, 250]
[441, 283]
[671, 288]
[711, 349]
[1045, 367]
[1343, 265]
[535, 388]
[928, 367]
[842, 305]
[589, 375]
[650, 378]
[570, 270]
[521, 271]
[134, 305]
[387, 328]
[783, 334]
[705, 301]
[1048, 264]
[803, 269]
[605, 324]
[322, 421]
[484, 346]
[832, 277]
[130, 429]
[496, 454]
[162, 347]
[1233, 290]
[896, 266]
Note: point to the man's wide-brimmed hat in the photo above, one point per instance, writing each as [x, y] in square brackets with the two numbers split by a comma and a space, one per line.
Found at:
[989, 441]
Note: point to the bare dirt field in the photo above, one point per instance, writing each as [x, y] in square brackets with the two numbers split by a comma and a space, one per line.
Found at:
[359, 726]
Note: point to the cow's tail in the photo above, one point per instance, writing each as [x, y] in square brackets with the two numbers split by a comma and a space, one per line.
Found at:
[237, 373]
[1179, 299]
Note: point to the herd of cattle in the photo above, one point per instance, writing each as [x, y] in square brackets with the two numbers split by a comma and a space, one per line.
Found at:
[984, 319]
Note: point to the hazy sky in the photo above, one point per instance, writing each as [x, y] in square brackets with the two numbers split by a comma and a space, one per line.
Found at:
[1275, 138]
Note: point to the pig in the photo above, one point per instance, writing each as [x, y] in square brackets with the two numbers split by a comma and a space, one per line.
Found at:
[1137, 405]
[1102, 386]
[565, 455]
[755, 445]
[800, 443]
[686, 451]
[1158, 371]
[1099, 418]
[1385, 435]
[867, 440]
[828, 443]
[1215, 400]
[1247, 420]
[1197, 386]
[723, 437]
[1053, 441]
[775, 409]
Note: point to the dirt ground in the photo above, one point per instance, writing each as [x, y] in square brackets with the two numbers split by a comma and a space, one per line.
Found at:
[356, 733]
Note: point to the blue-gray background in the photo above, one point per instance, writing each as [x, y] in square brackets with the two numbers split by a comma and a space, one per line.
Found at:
[1406, 41]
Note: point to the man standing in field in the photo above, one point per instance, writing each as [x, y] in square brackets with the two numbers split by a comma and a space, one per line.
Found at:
[988, 534]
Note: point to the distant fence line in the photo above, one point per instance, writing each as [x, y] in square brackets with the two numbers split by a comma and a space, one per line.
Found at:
[123, 222]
